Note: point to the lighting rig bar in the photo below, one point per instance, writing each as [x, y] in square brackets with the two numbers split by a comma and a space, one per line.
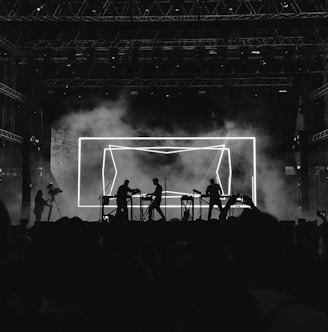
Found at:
[183, 43]
[9, 46]
[197, 9]
[169, 83]
[320, 92]
[148, 19]
[13, 94]
[7, 135]
[321, 136]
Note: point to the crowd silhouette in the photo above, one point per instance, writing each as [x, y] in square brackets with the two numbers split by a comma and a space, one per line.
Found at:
[251, 273]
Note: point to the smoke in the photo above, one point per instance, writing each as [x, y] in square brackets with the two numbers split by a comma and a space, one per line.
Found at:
[113, 119]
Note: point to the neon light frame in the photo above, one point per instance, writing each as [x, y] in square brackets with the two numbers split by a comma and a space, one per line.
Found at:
[253, 139]
[220, 147]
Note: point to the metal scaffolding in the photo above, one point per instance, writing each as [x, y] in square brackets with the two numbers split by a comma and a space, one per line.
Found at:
[169, 83]
[13, 94]
[4, 134]
[157, 8]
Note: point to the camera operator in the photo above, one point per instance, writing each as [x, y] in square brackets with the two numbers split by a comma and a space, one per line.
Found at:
[40, 202]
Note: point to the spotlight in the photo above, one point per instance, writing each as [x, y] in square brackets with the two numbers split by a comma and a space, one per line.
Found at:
[244, 53]
[284, 4]
[113, 56]
[71, 57]
[39, 8]
[34, 140]
[47, 53]
[157, 54]
[91, 54]
[263, 62]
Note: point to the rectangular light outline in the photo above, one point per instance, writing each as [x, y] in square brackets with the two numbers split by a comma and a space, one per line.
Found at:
[182, 149]
[147, 138]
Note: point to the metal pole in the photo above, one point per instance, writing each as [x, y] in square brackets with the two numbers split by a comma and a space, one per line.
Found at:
[165, 197]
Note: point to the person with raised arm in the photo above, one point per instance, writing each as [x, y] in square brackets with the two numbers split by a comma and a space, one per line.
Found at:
[121, 197]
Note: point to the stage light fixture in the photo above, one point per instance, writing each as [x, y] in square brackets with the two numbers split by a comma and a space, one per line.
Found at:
[71, 57]
[47, 54]
[39, 8]
[284, 4]
[91, 51]
[157, 54]
[244, 53]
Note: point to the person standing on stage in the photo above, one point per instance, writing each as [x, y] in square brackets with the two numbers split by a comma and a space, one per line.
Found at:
[214, 191]
[121, 196]
[156, 203]
[40, 202]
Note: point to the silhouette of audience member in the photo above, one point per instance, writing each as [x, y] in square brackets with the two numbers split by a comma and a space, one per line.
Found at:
[19, 294]
[156, 203]
[214, 191]
[121, 290]
[40, 202]
[207, 293]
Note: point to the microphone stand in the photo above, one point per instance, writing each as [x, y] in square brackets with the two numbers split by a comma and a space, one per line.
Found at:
[100, 197]
[165, 197]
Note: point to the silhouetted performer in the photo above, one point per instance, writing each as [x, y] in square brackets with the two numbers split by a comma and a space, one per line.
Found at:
[121, 196]
[214, 191]
[40, 202]
[156, 203]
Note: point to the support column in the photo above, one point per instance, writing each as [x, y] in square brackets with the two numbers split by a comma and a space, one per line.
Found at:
[304, 183]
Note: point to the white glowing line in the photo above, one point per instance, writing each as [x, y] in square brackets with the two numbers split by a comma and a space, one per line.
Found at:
[114, 147]
[217, 170]
[111, 188]
[147, 138]
[204, 206]
[103, 172]
[254, 193]
[230, 174]
[218, 147]
[157, 149]
[79, 172]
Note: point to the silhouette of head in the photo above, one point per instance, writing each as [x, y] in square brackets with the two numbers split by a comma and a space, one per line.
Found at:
[212, 181]
[155, 181]
[39, 193]
[126, 182]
